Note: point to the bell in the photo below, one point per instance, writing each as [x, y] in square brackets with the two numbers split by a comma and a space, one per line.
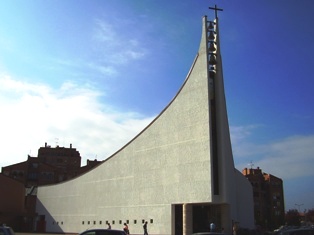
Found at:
[211, 70]
[211, 36]
[212, 60]
[211, 25]
[212, 47]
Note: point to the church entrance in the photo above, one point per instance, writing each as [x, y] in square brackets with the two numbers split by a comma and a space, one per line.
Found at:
[200, 218]
[178, 224]
[204, 215]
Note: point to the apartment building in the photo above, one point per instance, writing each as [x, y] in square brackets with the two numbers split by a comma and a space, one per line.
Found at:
[268, 195]
[53, 165]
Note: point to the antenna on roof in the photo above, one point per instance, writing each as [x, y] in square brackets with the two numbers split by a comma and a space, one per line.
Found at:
[251, 164]
[57, 139]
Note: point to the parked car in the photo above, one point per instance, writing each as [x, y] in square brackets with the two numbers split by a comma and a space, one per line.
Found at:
[102, 232]
[209, 233]
[5, 230]
[298, 231]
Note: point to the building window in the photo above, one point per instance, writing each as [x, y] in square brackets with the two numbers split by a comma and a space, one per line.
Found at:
[32, 176]
[151, 221]
[135, 222]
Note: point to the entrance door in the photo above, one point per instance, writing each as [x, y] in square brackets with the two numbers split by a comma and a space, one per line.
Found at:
[204, 215]
[178, 219]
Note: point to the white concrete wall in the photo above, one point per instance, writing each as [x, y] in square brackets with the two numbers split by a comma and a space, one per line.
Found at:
[169, 162]
[245, 202]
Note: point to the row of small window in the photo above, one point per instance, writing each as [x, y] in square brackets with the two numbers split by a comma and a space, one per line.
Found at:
[53, 222]
[120, 221]
[107, 221]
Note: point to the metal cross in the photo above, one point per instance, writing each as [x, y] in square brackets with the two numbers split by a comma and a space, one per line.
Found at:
[216, 9]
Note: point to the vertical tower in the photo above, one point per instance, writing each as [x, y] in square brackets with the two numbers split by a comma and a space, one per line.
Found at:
[221, 150]
[231, 193]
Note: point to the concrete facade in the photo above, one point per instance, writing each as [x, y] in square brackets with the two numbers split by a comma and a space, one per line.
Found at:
[178, 173]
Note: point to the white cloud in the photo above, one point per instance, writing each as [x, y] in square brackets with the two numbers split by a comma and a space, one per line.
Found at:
[32, 114]
[291, 157]
[117, 45]
[242, 148]
[104, 32]
[105, 70]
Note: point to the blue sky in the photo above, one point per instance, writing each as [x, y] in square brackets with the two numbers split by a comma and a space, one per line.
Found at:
[95, 73]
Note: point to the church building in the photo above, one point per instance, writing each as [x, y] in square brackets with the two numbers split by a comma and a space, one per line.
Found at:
[177, 174]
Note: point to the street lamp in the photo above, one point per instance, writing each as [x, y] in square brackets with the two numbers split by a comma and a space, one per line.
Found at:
[299, 205]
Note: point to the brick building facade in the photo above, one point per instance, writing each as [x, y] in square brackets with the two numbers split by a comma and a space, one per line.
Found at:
[53, 165]
[18, 182]
[268, 195]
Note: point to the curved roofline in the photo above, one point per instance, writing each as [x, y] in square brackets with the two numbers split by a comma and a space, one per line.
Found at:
[145, 128]
[167, 106]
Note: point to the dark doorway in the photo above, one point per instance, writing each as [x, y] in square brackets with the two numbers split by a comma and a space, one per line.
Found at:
[178, 219]
[200, 218]
[204, 215]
